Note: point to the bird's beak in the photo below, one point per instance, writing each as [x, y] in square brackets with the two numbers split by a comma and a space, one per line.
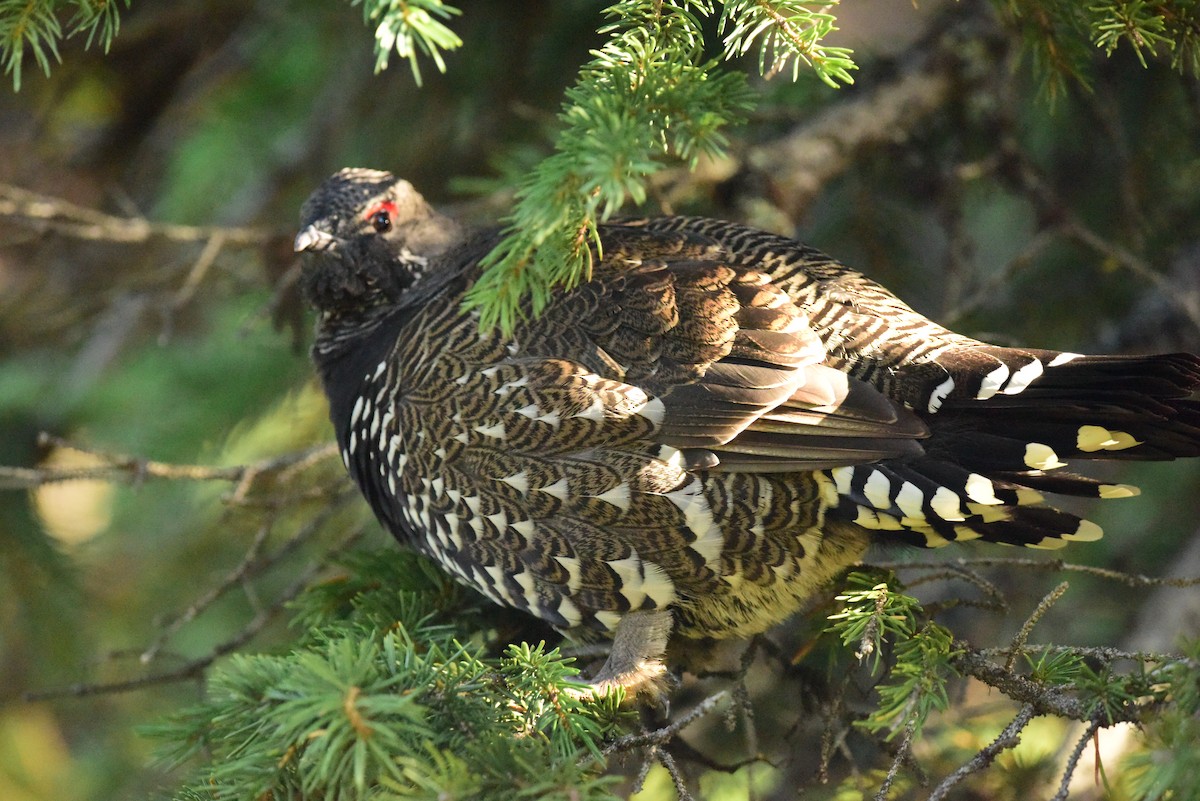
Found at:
[313, 239]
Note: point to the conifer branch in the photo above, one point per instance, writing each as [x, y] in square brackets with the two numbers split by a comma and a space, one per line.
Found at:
[34, 27]
[648, 98]
[787, 32]
[1061, 35]
[411, 28]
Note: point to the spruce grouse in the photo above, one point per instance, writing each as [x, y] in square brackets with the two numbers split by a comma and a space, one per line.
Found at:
[701, 435]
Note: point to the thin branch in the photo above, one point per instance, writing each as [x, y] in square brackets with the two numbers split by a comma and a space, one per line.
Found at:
[667, 761]
[204, 262]
[1068, 224]
[902, 755]
[1017, 646]
[1104, 105]
[682, 750]
[639, 781]
[985, 295]
[937, 607]
[1103, 654]
[45, 213]
[134, 470]
[1186, 302]
[196, 667]
[1009, 738]
[953, 571]
[1048, 565]
[250, 566]
[1073, 761]
[666, 733]
[1044, 700]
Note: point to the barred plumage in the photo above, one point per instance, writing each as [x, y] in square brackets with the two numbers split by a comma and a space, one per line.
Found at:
[704, 433]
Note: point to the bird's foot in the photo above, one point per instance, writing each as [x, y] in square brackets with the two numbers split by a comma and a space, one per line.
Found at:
[635, 663]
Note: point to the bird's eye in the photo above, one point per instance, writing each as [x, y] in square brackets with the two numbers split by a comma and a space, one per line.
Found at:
[381, 215]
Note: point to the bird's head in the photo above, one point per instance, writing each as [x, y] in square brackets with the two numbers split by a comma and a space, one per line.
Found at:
[368, 236]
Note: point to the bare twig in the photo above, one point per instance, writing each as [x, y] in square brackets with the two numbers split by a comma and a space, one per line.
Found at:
[1049, 565]
[985, 294]
[250, 566]
[667, 761]
[937, 607]
[958, 571]
[1103, 654]
[902, 754]
[1068, 224]
[1104, 105]
[1076, 753]
[45, 213]
[827, 746]
[639, 780]
[133, 470]
[1009, 738]
[196, 667]
[1186, 302]
[1017, 646]
[212, 248]
[666, 733]
[172, 625]
[655, 742]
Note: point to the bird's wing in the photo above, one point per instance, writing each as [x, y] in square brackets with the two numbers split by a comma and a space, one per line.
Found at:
[735, 368]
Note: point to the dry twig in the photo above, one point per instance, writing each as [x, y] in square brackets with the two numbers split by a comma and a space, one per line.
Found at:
[195, 668]
[50, 214]
[1048, 565]
[901, 756]
[1009, 738]
[1017, 646]
[1076, 753]
[134, 470]
[250, 566]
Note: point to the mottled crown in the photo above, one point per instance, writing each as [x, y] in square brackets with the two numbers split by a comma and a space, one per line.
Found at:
[344, 193]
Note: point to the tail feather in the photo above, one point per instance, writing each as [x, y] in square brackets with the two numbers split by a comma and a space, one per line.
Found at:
[1043, 438]
[1065, 483]
[1077, 407]
[1166, 375]
[968, 374]
[1003, 425]
[931, 503]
